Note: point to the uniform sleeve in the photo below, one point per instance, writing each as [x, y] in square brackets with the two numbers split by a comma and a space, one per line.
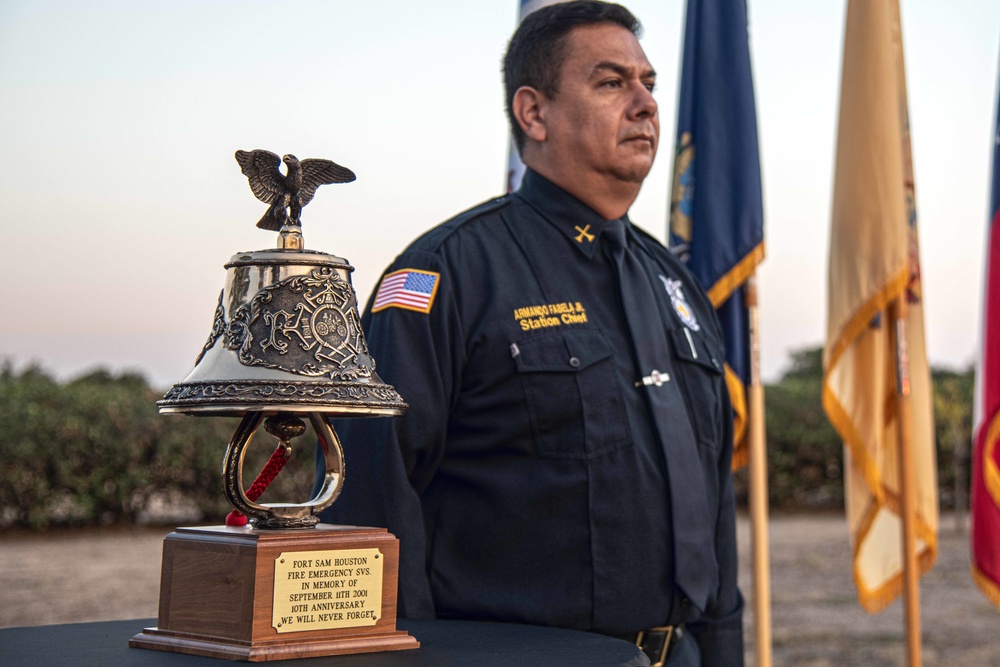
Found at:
[389, 461]
[719, 631]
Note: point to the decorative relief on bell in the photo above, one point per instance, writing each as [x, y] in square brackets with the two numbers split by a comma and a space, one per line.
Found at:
[218, 329]
[275, 395]
[307, 325]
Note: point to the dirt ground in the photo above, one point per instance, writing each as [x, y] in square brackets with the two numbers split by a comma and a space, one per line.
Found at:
[93, 575]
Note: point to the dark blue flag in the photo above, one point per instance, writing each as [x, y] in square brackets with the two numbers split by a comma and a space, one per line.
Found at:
[716, 215]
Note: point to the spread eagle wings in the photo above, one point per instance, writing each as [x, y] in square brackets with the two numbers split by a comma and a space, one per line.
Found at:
[261, 168]
[268, 184]
[317, 172]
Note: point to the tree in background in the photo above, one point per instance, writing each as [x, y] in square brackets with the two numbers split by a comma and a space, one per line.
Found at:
[94, 451]
[806, 456]
[953, 434]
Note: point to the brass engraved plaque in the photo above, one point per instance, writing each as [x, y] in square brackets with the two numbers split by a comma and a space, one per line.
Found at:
[320, 590]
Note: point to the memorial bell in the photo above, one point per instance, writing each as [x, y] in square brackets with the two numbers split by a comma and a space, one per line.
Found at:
[286, 343]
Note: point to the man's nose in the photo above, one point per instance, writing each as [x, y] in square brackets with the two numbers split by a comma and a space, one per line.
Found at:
[644, 104]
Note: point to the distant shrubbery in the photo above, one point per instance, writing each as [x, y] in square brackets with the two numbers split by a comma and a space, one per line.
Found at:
[804, 452]
[805, 455]
[95, 451]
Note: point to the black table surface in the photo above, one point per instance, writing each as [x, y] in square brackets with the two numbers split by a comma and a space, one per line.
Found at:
[442, 644]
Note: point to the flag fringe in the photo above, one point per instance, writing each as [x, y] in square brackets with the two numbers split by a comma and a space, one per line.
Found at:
[991, 471]
[875, 600]
[991, 480]
[872, 600]
[989, 587]
[862, 318]
[718, 294]
[845, 428]
[738, 398]
[839, 416]
[736, 276]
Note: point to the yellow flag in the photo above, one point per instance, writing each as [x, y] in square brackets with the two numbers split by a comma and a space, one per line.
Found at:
[874, 260]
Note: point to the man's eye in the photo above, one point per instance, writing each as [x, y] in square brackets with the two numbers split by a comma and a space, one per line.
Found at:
[612, 83]
[650, 86]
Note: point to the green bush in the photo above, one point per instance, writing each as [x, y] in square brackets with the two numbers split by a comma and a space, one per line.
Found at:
[805, 454]
[953, 434]
[96, 451]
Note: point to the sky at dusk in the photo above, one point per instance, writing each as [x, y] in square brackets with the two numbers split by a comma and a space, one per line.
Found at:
[120, 200]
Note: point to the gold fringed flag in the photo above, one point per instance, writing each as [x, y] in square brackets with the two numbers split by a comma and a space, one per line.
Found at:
[874, 260]
[716, 210]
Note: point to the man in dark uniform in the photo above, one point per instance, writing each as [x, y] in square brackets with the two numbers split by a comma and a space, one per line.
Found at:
[543, 474]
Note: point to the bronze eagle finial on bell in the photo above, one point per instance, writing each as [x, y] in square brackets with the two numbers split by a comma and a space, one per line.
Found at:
[290, 191]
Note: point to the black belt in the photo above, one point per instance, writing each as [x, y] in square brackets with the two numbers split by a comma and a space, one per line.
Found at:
[658, 643]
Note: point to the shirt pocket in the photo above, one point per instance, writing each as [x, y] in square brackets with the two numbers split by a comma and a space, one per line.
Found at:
[699, 371]
[573, 394]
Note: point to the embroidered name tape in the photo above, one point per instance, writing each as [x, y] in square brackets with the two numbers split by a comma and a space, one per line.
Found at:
[550, 315]
[409, 289]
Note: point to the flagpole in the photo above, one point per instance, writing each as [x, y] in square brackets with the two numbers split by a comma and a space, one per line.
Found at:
[911, 590]
[757, 456]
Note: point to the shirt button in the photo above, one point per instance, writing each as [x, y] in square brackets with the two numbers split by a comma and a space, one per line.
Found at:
[685, 603]
[574, 362]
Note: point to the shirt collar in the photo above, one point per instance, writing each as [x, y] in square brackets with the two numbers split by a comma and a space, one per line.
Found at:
[575, 220]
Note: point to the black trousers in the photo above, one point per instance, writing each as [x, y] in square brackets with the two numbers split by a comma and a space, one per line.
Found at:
[685, 653]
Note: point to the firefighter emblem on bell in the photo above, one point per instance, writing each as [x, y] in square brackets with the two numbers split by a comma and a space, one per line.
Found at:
[307, 325]
[329, 326]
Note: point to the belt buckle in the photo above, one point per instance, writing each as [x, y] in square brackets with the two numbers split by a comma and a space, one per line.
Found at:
[667, 641]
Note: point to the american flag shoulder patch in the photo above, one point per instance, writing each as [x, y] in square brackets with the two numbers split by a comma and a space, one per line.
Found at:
[409, 289]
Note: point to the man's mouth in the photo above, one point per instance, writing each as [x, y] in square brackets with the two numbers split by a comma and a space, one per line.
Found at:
[642, 138]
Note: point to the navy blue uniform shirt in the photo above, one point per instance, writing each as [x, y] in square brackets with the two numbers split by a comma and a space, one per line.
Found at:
[526, 482]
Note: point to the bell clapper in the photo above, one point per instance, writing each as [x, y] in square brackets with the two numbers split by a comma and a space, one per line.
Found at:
[285, 427]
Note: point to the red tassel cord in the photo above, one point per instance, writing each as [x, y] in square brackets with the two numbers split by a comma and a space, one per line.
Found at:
[267, 474]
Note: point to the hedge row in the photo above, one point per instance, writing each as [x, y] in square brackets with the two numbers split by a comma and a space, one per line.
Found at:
[805, 455]
[95, 451]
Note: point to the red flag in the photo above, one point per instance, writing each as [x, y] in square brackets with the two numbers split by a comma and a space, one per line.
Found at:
[985, 495]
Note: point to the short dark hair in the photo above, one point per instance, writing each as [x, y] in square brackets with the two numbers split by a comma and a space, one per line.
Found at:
[537, 50]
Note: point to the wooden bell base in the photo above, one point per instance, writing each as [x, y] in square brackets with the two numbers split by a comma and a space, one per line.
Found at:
[218, 594]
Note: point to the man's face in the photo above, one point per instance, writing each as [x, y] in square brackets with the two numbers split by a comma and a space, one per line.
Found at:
[602, 121]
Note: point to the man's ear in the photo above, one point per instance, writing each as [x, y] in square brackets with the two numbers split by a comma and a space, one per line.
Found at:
[529, 110]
